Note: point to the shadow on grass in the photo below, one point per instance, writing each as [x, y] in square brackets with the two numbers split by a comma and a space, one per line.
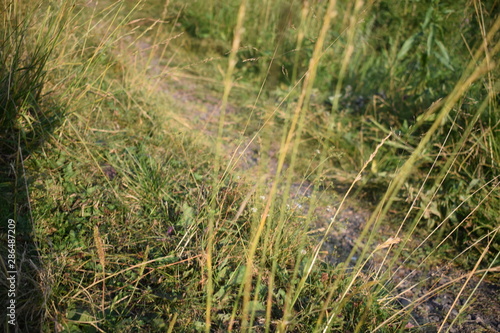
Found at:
[26, 121]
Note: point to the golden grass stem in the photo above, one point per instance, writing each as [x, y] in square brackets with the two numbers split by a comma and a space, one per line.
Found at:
[238, 31]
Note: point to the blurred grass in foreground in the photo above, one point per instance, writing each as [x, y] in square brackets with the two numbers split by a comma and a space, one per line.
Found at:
[144, 222]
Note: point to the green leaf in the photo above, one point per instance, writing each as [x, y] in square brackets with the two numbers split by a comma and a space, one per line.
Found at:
[428, 16]
[238, 275]
[430, 40]
[426, 117]
[222, 274]
[199, 326]
[406, 47]
[218, 295]
[443, 50]
[187, 217]
[256, 306]
[68, 171]
[443, 55]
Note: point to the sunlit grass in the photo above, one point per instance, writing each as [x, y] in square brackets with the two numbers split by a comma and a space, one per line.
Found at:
[163, 198]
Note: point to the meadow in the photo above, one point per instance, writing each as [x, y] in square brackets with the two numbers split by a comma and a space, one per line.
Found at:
[250, 166]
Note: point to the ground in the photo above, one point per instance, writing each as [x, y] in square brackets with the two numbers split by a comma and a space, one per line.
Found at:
[198, 110]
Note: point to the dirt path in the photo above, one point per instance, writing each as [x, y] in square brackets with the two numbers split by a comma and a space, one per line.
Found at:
[199, 110]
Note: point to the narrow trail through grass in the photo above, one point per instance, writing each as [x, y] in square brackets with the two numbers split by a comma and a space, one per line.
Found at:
[198, 111]
[182, 175]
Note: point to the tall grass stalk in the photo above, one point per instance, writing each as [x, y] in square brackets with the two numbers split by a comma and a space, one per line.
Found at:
[300, 38]
[228, 81]
[294, 292]
[471, 75]
[468, 279]
[335, 284]
[437, 184]
[299, 110]
[144, 231]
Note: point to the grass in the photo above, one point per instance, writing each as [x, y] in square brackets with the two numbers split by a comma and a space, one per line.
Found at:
[154, 151]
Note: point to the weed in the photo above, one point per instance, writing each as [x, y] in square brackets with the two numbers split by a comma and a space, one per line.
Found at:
[186, 166]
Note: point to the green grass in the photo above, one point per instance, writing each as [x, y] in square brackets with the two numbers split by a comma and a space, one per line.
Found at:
[123, 124]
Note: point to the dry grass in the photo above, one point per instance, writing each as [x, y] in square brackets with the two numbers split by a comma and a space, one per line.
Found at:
[159, 207]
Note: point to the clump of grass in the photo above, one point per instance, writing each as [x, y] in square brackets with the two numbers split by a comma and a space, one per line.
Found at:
[28, 117]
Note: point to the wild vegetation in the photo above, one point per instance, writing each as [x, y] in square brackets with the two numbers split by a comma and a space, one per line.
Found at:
[185, 166]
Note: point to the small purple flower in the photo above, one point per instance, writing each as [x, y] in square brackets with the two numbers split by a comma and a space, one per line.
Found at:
[170, 230]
